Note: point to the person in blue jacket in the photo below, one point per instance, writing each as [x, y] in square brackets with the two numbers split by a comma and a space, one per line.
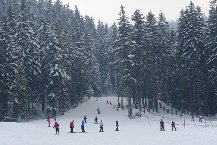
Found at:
[82, 126]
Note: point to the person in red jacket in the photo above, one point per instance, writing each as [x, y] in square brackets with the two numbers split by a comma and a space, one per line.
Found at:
[72, 126]
[56, 126]
[48, 120]
[173, 125]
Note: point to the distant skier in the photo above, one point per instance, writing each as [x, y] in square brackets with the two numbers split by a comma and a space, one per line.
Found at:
[173, 125]
[82, 126]
[48, 120]
[110, 103]
[192, 117]
[96, 120]
[98, 111]
[85, 119]
[200, 119]
[72, 126]
[117, 126]
[107, 102]
[56, 126]
[101, 126]
[162, 125]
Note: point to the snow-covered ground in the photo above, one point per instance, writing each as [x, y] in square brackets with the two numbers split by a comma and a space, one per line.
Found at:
[141, 131]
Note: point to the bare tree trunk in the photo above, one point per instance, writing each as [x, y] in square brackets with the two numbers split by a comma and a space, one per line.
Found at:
[122, 102]
[129, 108]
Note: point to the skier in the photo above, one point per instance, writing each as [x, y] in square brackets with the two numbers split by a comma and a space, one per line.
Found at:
[110, 103]
[173, 125]
[56, 126]
[192, 118]
[96, 120]
[72, 126]
[101, 126]
[107, 102]
[85, 119]
[117, 126]
[200, 119]
[162, 125]
[98, 111]
[48, 120]
[82, 126]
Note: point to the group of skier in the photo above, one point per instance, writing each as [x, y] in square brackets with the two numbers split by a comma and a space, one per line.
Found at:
[56, 126]
[173, 125]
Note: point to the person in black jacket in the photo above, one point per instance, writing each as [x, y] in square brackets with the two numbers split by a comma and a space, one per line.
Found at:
[117, 126]
[162, 125]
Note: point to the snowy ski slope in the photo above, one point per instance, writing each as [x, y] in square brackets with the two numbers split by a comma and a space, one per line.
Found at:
[140, 131]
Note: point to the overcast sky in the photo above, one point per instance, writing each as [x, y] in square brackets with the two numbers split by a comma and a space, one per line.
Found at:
[107, 10]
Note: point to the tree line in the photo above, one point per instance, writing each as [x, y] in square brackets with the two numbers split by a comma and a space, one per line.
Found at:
[52, 57]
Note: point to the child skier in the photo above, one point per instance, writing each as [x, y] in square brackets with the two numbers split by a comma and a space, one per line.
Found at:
[162, 125]
[85, 119]
[101, 126]
[48, 120]
[96, 120]
[82, 126]
[56, 126]
[173, 125]
[72, 126]
[117, 126]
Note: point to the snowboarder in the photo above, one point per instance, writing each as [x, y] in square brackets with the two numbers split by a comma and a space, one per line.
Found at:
[173, 125]
[162, 125]
[56, 126]
[101, 126]
[82, 126]
[96, 120]
[48, 120]
[85, 119]
[98, 111]
[117, 126]
[72, 126]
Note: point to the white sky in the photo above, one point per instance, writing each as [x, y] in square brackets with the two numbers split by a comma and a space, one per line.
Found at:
[107, 10]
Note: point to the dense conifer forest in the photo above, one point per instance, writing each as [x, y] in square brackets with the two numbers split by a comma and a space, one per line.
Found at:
[52, 58]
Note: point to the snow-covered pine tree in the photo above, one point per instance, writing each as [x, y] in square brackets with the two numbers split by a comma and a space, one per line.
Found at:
[164, 55]
[124, 60]
[138, 39]
[151, 61]
[211, 51]
[191, 47]
[28, 48]
[101, 44]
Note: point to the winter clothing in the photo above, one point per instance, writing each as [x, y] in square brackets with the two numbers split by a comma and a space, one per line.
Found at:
[101, 126]
[85, 119]
[162, 125]
[72, 126]
[173, 125]
[56, 126]
[98, 111]
[96, 119]
[117, 126]
[200, 119]
[82, 126]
